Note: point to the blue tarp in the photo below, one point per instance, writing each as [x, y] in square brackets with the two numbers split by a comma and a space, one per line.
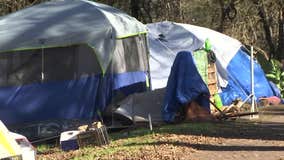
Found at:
[275, 89]
[239, 83]
[184, 85]
[69, 99]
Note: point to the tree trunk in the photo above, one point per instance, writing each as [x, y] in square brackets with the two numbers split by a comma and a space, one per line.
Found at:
[223, 17]
[280, 50]
[134, 4]
[266, 26]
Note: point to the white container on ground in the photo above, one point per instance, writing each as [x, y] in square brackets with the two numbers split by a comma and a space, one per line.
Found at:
[27, 149]
[68, 140]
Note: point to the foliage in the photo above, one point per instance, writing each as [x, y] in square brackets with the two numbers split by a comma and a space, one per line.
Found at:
[276, 75]
[9, 6]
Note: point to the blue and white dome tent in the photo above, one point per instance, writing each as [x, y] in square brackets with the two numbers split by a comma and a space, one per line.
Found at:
[166, 39]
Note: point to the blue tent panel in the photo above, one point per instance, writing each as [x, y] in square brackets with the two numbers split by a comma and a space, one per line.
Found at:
[126, 83]
[184, 85]
[69, 99]
[276, 91]
[239, 74]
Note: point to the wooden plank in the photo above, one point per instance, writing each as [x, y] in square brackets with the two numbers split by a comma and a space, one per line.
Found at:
[212, 79]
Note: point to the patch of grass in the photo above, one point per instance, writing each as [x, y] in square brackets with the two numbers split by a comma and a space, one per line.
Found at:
[131, 141]
[186, 128]
[129, 145]
[183, 128]
[44, 147]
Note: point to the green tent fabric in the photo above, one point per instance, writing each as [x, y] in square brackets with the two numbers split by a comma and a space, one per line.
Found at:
[201, 61]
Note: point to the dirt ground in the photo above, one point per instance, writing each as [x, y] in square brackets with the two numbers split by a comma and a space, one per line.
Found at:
[229, 140]
[209, 148]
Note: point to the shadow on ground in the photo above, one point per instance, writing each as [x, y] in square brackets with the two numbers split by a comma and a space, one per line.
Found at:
[244, 129]
[211, 147]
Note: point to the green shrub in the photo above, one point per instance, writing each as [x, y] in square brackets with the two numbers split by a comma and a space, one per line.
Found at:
[276, 75]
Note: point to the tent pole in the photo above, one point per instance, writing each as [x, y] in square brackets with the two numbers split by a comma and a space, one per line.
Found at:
[148, 77]
[42, 65]
[252, 83]
[42, 41]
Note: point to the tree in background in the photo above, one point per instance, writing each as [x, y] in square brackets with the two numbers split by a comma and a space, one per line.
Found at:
[148, 11]
[257, 22]
[9, 6]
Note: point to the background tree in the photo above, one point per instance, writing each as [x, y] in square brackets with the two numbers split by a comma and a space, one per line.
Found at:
[9, 6]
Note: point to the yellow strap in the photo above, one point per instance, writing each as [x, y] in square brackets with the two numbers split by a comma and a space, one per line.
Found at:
[4, 141]
[147, 82]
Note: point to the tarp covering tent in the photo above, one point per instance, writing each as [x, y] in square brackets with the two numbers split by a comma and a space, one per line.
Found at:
[184, 85]
[139, 107]
[66, 59]
[166, 39]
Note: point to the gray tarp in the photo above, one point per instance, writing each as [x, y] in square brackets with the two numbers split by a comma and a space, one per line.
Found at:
[138, 106]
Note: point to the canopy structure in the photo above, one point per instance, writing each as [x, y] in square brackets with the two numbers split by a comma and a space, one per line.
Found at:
[166, 39]
[68, 59]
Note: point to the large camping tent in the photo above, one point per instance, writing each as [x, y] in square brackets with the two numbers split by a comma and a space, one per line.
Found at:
[166, 39]
[66, 59]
